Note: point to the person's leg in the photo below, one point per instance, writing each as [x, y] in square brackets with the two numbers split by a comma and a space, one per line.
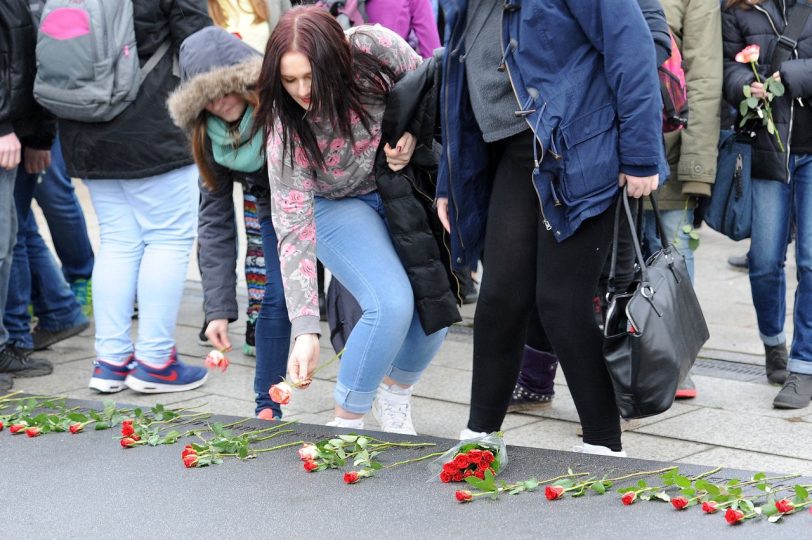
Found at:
[16, 317]
[506, 294]
[254, 270]
[66, 220]
[766, 268]
[673, 222]
[114, 276]
[800, 357]
[535, 387]
[354, 244]
[568, 273]
[165, 208]
[273, 327]
[59, 312]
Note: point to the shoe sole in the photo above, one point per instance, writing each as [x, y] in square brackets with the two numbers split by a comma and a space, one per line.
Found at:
[786, 405]
[29, 373]
[62, 336]
[528, 407]
[106, 386]
[685, 394]
[147, 387]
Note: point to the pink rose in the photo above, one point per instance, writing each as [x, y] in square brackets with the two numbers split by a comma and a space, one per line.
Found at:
[748, 54]
[308, 233]
[216, 359]
[281, 393]
[308, 452]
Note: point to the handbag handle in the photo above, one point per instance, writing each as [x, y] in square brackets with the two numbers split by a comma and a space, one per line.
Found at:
[623, 201]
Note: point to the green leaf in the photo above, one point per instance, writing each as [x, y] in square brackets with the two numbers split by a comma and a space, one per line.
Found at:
[375, 465]
[769, 508]
[743, 108]
[336, 443]
[747, 505]
[801, 492]
[78, 417]
[627, 489]
[759, 476]
[682, 481]
[598, 487]
[752, 102]
[531, 485]
[746, 90]
[775, 517]
[242, 453]
[688, 492]
[663, 496]
[777, 88]
[348, 438]
[642, 484]
[481, 485]
[362, 442]
[98, 426]
[516, 490]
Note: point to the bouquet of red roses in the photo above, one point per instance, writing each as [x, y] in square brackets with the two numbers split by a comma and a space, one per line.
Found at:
[469, 458]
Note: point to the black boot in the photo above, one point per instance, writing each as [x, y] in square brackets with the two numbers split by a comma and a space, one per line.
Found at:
[535, 387]
[776, 363]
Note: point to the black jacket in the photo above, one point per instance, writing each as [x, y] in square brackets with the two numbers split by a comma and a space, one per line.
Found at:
[142, 141]
[761, 25]
[408, 197]
[19, 113]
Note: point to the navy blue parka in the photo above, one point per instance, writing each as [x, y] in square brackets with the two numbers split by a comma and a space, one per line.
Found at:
[585, 79]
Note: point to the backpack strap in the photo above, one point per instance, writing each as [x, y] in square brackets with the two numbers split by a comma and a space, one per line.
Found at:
[788, 41]
[156, 57]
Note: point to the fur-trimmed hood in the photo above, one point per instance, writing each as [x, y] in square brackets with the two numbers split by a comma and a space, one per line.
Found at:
[213, 63]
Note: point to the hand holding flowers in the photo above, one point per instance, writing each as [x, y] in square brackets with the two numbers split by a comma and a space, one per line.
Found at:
[758, 96]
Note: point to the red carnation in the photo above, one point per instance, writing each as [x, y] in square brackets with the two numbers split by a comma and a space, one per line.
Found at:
[33, 431]
[351, 477]
[629, 497]
[733, 516]
[553, 492]
[679, 502]
[461, 461]
[310, 465]
[709, 507]
[445, 477]
[784, 506]
[190, 460]
[76, 428]
[127, 442]
[464, 496]
[16, 428]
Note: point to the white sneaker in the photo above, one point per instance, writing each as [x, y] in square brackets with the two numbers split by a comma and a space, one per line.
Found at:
[349, 423]
[392, 409]
[467, 434]
[598, 450]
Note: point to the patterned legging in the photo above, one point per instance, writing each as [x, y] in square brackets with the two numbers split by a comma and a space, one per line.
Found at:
[254, 258]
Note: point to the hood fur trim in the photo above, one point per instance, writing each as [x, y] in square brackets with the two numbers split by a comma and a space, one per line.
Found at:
[192, 96]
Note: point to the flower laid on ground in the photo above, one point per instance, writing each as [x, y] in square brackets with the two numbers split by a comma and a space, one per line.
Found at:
[217, 360]
[733, 516]
[17, 428]
[759, 109]
[1, 426]
[464, 495]
[33, 431]
[282, 392]
[710, 507]
[359, 450]
[472, 458]
[628, 498]
[224, 443]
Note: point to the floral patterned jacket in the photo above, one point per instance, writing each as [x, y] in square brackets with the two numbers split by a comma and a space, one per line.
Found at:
[349, 172]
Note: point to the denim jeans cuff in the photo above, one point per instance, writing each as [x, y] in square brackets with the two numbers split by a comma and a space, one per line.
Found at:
[404, 377]
[78, 319]
[23, 341]
[796, 365]
[354, 401]
[772, 341]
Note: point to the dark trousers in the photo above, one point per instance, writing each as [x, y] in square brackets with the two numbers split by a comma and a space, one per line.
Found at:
[526, 267]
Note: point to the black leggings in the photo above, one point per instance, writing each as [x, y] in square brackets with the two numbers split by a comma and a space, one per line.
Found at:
[527, 267]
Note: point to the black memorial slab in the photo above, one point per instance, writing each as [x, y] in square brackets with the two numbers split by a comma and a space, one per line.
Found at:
[86, 486]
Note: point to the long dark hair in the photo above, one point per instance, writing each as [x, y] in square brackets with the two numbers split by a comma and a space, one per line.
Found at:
[343, 80]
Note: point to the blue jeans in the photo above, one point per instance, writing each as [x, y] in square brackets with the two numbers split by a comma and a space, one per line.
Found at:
[673, 221]
[8, 236]
[273, 326]
[354, 244]
[35, 276]
[66, 221]
[775, 205]
[147, 227]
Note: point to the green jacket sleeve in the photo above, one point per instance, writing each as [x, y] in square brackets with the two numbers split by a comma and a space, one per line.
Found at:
[699, 33]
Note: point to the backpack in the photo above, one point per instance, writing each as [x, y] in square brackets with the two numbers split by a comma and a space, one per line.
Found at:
[348, 13]
[87, 62]
[674, 91]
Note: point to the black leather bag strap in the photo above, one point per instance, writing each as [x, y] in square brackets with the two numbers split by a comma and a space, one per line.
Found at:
[788, 41]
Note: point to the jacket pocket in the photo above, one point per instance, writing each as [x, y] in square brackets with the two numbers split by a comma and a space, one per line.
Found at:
[590, 154]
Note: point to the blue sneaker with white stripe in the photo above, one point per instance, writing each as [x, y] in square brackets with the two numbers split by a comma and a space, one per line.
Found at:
[174, 376]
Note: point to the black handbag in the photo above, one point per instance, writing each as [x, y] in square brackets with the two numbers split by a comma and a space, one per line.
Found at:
[654, 330]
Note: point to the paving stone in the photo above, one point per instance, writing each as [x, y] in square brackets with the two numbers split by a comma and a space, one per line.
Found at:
[65, 380]
[715, 393]
[445, 384]
[738, 430]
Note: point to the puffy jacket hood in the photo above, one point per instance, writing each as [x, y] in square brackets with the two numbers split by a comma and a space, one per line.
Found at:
[213, 63]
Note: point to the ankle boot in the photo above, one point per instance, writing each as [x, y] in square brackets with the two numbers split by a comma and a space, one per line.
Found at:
[776, 363]
[535, 387]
